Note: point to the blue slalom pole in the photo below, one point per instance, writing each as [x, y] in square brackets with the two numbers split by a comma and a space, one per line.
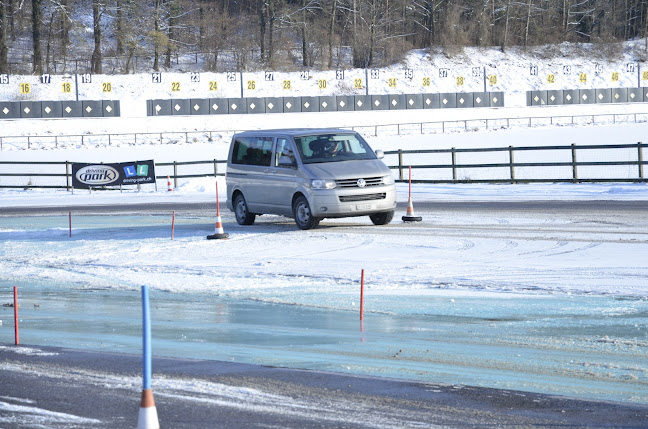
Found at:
[147, 418]
[146, 338]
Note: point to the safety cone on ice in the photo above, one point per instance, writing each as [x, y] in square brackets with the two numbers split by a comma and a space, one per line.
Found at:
[169, 187]
[219, 232]
[148, 418]
[409, 215]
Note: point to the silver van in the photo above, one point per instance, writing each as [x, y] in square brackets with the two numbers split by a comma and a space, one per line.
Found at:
[309, 175]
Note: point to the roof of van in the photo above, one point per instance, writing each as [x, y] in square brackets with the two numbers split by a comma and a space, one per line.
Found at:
[296, 131]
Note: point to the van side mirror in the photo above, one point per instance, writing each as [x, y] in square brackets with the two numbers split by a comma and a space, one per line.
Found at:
[286, 161]
[380, 154]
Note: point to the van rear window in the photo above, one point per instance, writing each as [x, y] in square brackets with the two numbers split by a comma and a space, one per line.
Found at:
[252, 151]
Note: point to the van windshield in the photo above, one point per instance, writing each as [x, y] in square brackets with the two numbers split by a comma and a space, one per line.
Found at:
[333, 148]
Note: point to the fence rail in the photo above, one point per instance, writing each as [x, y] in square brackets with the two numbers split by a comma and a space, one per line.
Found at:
[633, 158]
[557, 163]
[431, 127]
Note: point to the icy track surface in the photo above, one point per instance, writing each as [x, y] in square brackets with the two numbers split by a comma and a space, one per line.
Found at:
[552, 302]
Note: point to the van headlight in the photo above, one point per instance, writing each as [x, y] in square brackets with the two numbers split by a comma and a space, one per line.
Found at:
[323, 184]
[388, 180]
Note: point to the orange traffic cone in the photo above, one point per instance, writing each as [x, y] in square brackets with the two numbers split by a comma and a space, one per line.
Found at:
[410, 216]
[219, 233]
[169, 187]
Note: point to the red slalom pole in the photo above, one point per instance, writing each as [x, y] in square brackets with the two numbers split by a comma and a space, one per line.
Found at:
[362, 295]
[217, 202]
[15, 291]
[410, 183]
[172, 225]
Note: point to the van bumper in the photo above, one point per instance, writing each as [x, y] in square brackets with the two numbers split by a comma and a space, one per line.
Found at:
[333, 203]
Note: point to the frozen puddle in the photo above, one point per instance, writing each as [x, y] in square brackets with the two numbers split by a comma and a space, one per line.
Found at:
[581, 346]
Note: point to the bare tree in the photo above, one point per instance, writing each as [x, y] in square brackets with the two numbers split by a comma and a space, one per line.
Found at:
[4, 46]
[37, 62]
[96, 60]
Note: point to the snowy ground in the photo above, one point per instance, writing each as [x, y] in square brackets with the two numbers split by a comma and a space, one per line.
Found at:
[448, 266]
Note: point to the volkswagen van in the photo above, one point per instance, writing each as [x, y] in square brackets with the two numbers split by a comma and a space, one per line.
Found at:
[309, 175]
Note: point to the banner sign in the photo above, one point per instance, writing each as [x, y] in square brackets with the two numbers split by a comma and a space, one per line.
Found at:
[114, 174]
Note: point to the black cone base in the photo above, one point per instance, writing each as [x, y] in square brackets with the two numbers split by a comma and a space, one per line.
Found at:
[218, 236]
[407, 218]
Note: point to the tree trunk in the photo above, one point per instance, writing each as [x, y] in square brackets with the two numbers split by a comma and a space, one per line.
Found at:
[262, 29]
[171, 33]
[506, 26]
[528, 21]
[331, 33]
[65, 27]
[48, 59]
[4, 45]
[119, 24]
[303, 34]
[156, 36]
[37, 65]
[96, 28]
[271, 21]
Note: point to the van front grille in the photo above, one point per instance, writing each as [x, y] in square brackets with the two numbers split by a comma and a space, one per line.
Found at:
[353, 183]
[365, 197]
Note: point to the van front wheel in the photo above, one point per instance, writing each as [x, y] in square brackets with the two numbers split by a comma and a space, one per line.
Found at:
[243, 216]
[302, 213]
[382, 218]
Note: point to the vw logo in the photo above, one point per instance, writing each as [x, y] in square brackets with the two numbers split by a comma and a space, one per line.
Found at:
[361, 183]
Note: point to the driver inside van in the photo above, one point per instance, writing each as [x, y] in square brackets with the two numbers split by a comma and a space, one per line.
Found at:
[331, 148]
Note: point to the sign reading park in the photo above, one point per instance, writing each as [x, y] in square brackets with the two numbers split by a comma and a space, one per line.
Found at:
[115, 174]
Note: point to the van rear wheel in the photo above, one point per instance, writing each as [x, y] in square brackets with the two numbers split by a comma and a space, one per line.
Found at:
[382, 218]
[302, 213]
[243, 216]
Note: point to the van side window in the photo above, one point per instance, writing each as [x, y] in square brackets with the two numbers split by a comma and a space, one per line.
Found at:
[252, 151]
[283, 149]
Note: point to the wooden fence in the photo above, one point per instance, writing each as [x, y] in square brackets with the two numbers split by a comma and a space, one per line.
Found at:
[604, 163]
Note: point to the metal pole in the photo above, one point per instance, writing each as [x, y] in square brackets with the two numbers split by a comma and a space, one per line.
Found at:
[146, 339]
[400, 164]
[175, 175]
[15, 297]
[67, 174]
[574, 166]
[511, 164]
[362, 295]
[640, 161]
[454, 165]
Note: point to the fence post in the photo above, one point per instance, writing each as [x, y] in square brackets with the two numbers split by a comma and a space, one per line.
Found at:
[574, 166]
[640, 161]
[215, 168]
[400, 164]
[175, 175]
[512, 164]
[28, 142]
[454, 165]
[67, 175]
